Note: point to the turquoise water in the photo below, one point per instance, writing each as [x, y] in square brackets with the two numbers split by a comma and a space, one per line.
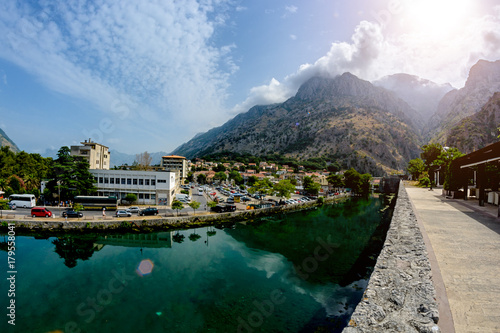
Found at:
[298, 272]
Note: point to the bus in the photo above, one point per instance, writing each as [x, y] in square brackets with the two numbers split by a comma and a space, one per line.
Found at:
[23, 200]
[96, 202]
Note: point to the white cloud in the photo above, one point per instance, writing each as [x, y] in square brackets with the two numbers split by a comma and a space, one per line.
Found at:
[151, 60]
[293, 37]
[291, 9]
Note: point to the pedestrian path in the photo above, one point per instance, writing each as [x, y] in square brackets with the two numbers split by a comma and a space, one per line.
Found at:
[465, 241]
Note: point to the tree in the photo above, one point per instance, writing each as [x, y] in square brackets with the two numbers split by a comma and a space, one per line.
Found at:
[219, 168]
[310, 186]
[444, 160]
[143, 161]
[236, 176]
[130, 198]
[416, 167]
[71, 175]
[252, 180]
[220, 176]
[201, 178]
[365, 184]
[261, 187]
[335, 180]
[211, 204]
[177, 205]
[358, 183]
[284, 188]
[352, 179]
[195, 205]
[429, 155]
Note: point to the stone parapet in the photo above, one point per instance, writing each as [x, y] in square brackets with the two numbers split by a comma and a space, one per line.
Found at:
[400, 296]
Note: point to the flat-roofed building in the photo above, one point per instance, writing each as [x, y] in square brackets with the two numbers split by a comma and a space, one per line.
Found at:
[150, 187]
[96, 154]
[177, 164]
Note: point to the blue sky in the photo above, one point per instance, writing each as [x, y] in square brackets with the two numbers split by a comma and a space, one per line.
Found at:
[148, 75]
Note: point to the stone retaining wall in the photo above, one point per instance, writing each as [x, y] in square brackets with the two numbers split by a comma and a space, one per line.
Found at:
[156, 222]
[400, 296]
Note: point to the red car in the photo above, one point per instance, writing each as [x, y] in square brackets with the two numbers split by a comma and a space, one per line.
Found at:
[40, 212]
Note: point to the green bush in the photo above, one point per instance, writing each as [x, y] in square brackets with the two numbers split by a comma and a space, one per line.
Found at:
[424, 182]
[4, 204]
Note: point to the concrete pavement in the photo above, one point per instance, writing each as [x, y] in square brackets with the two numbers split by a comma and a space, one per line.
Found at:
[464, 249]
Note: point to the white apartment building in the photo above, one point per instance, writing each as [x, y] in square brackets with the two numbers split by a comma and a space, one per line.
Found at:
[96, 154]
[174, 163]
[150, 187]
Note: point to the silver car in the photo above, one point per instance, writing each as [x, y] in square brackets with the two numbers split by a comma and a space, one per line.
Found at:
[123, 213]
[134, 209]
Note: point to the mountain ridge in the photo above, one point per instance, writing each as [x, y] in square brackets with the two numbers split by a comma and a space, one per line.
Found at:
[6, 141]
[483, 81]
[345, 118]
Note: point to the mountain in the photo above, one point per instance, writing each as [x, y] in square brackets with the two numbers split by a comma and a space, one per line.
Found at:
[421, 94]
[118, 158]
[483, 81]
[343, 118]
[6, 141]
[479, 130]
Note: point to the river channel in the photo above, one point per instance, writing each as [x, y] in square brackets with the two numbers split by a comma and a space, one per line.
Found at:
[297, 272]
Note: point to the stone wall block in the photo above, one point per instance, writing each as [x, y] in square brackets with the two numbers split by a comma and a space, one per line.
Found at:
[400, 296]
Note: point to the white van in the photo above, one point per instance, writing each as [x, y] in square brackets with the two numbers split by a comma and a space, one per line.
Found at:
[182, 196]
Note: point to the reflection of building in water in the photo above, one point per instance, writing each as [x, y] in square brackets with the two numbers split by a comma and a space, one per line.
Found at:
[156, 240]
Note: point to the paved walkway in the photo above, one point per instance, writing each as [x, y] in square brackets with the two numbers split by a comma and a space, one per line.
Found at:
[465, 252]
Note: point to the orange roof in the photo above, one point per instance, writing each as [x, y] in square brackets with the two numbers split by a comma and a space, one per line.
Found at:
[174, 156]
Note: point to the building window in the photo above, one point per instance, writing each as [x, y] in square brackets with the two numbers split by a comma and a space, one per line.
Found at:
[141, 196]
[141, 182]
[135, 181]
[117, 180]
[153, 182]
[96, 161]
[100, 180]
[95, 179]
[111, 180]
[162, 181]
[147, 182]
[106, 181]
[153, 196]
[129, 181]
[146, 196]
[123, 181]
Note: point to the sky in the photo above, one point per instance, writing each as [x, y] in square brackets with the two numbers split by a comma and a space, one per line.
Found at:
[149, 75]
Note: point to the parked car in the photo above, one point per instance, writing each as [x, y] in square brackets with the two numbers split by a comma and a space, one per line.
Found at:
[71, 213]
[40, 212]
[134, 209]
[123, 213]
[12, 206]
[224, 208]
[148, 211]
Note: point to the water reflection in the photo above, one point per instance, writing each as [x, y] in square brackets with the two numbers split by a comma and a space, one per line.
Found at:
[73, 248]
[279, 274]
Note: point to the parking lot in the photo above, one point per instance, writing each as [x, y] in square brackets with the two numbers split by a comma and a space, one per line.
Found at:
[225, 195]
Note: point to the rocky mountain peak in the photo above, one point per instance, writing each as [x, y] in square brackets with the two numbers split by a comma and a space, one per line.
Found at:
[483, 73]
[421, 94]
[343, 85]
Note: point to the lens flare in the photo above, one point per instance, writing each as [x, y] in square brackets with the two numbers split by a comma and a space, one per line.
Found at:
[145, 267]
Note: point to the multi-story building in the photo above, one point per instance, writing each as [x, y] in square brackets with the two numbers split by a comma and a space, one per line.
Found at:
[96, 154]
[177, 164]
[150, 187]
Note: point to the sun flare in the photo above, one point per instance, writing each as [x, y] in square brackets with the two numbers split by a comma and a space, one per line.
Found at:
[436, 19]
